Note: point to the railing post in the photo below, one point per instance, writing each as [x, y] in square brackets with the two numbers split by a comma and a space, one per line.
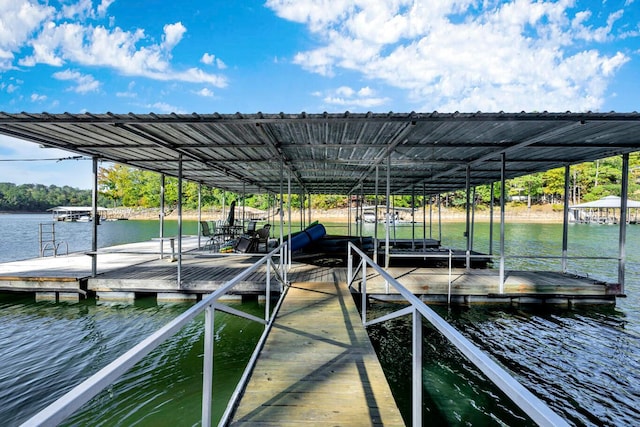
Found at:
[267, 302]
[417, 369]
[450, 272]
[283, 263]
[207, 371]
[349, 265]
[363, 291]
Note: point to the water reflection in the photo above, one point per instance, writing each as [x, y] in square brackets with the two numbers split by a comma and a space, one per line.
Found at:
[582, 362]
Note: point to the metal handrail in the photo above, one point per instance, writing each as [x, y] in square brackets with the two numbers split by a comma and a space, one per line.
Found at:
[66, 405]
[523, 398]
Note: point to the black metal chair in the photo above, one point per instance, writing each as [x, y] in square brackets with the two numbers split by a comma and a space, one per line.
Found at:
[262, 236]
[206, 231]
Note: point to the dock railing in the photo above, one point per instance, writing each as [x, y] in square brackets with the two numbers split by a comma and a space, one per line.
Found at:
[70, 402]
[469, 257]
[537, 410]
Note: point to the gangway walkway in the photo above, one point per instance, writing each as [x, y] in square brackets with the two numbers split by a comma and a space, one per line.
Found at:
[318, 366]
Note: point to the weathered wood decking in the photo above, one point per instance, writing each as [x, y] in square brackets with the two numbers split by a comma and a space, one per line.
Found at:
[318, 366]
[483, 286]
[137, 268]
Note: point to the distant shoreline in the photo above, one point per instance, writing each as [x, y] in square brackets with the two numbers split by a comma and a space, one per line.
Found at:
[537, 214]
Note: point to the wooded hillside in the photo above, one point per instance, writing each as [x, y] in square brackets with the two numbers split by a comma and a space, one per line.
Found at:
[125, 186]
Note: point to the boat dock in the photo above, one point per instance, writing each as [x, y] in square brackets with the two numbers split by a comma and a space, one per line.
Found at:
[125, 271]
[318, 366]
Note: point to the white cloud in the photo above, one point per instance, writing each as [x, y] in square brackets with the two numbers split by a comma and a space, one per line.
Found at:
[210, 59]
[349, 98]
[84, 82]
[82, 9]
[18, 20]
[173, 34]
[124, 51]
[163, 107]
[129, 93]
[103, 6]
[207, 59]
[38, 98]
[206, 92]
[462, 54]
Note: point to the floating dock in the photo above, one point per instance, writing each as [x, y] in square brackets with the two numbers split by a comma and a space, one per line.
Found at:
[126, 271]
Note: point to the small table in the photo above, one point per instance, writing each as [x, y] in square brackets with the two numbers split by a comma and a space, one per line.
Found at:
[172, 241]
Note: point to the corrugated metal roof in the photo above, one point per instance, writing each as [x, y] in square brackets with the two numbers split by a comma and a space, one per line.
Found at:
[336, 153]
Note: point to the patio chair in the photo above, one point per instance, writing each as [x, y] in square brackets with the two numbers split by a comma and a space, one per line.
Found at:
[207, 232]
[262, 236]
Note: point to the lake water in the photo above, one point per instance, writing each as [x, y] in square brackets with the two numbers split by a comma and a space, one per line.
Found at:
[584, 362]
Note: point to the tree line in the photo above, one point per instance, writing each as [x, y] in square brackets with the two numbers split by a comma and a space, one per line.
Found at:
[39, 198]
[124, 186]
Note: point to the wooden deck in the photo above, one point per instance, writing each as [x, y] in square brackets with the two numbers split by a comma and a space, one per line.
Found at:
[482, 286]
[318, 366]
[134, 268]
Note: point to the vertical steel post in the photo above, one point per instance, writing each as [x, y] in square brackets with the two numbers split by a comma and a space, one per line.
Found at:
[623, 220]
[375, 216]
[289, 215]
[413, 218]
[180, 220]
[267, 302]
[416, 395]
[207, 369]
[349, 265]
[199, 212]
[281, 202]
[387, 219]
[467, 188]
[349, 214]
[473, 218]
[96, 220]
[162, 195]
[424, 215]
[491, 219]
[565, 217]
[439, 218]
[503, 179]
[363, 291]
[302, 216]
[361, 210]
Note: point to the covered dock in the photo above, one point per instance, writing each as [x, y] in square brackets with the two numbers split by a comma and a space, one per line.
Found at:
[423, 154]
[341, 154]
[604, 211]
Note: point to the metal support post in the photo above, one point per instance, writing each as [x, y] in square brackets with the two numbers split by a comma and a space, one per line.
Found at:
[416, 395]
[207, 369]
[199, 212]
[503, 191]
[491, 219]
[467, 233]
[179, 220]
[96, 219]
[565, 218]
[624, 191]
[162, 195]
[363, 291]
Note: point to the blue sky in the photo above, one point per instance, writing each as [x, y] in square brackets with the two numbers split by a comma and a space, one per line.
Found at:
[307, 55]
